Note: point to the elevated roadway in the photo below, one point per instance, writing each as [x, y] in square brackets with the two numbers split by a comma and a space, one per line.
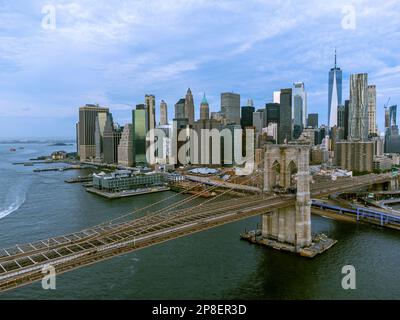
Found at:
[23, 264]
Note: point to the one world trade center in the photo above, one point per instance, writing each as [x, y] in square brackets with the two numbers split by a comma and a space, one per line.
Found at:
[335, 94]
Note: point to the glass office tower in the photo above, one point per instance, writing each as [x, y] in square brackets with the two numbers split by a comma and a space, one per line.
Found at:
[299, 109]
[334, 94]
[285, 116]
[230, 107]
[139, 128]
[392, 115]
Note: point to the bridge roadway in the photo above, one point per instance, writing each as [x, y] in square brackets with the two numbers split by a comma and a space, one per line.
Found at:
[23, 264]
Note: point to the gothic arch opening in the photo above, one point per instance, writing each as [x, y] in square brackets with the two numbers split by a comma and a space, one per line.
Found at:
[276, 173]
[292, 172]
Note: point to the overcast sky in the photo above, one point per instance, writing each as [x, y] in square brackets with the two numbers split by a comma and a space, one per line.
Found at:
[114, 52]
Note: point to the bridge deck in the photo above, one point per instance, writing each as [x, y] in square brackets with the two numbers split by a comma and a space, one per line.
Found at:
[148, 231]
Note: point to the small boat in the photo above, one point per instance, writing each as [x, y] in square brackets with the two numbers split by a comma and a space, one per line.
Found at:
[13, 149]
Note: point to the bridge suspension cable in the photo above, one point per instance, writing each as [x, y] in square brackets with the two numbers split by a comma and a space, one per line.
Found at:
[150, 219]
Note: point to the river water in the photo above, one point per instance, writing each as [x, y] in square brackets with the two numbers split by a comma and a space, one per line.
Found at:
[214, 264]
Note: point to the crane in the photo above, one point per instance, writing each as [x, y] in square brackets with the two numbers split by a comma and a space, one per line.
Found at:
[387, 103]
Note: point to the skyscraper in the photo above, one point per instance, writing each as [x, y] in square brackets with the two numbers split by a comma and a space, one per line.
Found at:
[101, 120]
[300, 93]
[392, 115]
[387, 118]
[392, 138]
[97, 140]
[216, 116]
[247, 116]
[343, 121]
[139, 130]
[334, 94]
[163, 113]
[264, 117]
[372, 130]
[189, 106]
[285, 116]
[230, 107]
[112, 137]
[77, 137]
[277, 97]
[355, 156]
[100, 138]
[272, 131]
[87, 127]
[358, 108]
[346, 115]
[204, 109]
[312, 120]
[258, 121]
[273, 112]
[150, 102]
[125, 147]
[299, 112]
[205, 149]
[180, 109]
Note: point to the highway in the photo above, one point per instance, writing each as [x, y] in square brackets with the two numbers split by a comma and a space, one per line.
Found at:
[22, 264]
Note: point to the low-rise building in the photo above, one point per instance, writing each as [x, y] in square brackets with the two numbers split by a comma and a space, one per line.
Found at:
[382, 163]
[395, 157]
[59, 155]
[126, 180]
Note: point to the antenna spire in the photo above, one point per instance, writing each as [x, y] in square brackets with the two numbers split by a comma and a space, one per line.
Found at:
[335, 57]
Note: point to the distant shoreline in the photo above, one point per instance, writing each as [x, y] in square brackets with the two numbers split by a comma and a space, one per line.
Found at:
[49, 142]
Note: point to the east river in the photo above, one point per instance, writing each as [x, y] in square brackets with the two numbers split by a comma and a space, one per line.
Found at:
[213, 264]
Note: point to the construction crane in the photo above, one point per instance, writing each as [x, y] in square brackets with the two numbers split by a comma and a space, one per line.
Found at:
[387, 103]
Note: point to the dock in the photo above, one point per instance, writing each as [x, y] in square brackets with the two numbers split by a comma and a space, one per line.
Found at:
[80, 179]
[126, 193]
[31, 163]
[75, 167]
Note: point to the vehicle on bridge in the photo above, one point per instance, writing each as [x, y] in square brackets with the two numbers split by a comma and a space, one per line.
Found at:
[282, 190]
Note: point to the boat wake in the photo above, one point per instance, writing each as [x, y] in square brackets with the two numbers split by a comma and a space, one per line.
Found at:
[14, 206]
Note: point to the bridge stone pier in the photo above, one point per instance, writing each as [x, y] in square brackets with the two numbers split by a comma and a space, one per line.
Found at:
[394, 185]
[287, 167]
[391, 185]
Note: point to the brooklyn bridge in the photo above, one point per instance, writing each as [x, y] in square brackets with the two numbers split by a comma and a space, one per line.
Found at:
[286, 218]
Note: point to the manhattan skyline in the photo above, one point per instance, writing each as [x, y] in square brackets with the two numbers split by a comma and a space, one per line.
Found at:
[114, 54]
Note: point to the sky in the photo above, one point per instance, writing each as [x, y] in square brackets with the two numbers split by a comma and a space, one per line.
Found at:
[56, 56]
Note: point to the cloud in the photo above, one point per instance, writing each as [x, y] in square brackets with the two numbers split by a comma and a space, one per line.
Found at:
[114, 52]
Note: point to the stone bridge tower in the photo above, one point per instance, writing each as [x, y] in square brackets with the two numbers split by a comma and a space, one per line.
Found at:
[287, 167]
